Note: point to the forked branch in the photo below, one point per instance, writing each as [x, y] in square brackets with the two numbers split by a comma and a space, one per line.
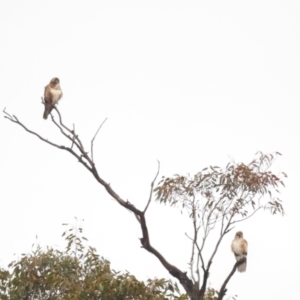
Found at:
[88, 163]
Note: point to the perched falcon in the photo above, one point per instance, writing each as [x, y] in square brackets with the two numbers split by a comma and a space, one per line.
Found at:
[52, 94]
[239, 247]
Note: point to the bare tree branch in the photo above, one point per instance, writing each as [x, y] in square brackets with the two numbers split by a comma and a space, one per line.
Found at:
[76, 138]
[140, 215]
[206, 271]
[92, 141]
[73, 141]
[191, 263]
[60, 121]
[223, 289]
[200, 255]
[234, 222]
[152, 185]
[14, 119]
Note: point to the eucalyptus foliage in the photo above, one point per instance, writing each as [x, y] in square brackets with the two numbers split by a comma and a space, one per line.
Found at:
[78, 272]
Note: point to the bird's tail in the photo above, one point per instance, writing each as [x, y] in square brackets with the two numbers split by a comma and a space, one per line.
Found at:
[45, 116]
[242, 267]
[47, 111]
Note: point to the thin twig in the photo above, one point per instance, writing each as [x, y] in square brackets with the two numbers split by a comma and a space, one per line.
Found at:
[194, 240]
[206, 270]
[4, 110]
[60, 120]
[248, 216]
[80, 145]
[61, 126]
[14, 119]
[200, 255]
[73, 136]
[92, 141]
[151, 189]
[198, 269]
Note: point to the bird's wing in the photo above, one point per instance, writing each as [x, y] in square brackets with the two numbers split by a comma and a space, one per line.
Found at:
[47, 94]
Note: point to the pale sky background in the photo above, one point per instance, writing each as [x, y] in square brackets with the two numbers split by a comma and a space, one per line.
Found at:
[190, 83]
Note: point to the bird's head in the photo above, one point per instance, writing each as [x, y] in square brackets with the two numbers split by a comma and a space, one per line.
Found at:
[54, 80]
[239, 235]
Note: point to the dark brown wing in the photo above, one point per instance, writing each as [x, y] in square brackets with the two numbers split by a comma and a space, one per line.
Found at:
[48, 101]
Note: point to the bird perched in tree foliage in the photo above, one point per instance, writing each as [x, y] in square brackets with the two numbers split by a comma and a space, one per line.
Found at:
[239, 247]
[52, 95]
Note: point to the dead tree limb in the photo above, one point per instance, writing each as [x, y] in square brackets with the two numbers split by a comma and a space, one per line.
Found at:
[88, 163]
[223, 289]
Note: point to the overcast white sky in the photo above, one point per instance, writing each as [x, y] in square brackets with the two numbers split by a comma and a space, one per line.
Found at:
[190, 83]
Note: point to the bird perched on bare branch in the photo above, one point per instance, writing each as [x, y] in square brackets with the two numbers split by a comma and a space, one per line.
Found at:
[52, 95]
[239, 247]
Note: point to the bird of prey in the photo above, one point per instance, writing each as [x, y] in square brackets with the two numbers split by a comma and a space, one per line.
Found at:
[52, 95]
[239, 247]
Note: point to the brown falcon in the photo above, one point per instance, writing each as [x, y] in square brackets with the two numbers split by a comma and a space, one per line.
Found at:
[52, 95]
[239, 247]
